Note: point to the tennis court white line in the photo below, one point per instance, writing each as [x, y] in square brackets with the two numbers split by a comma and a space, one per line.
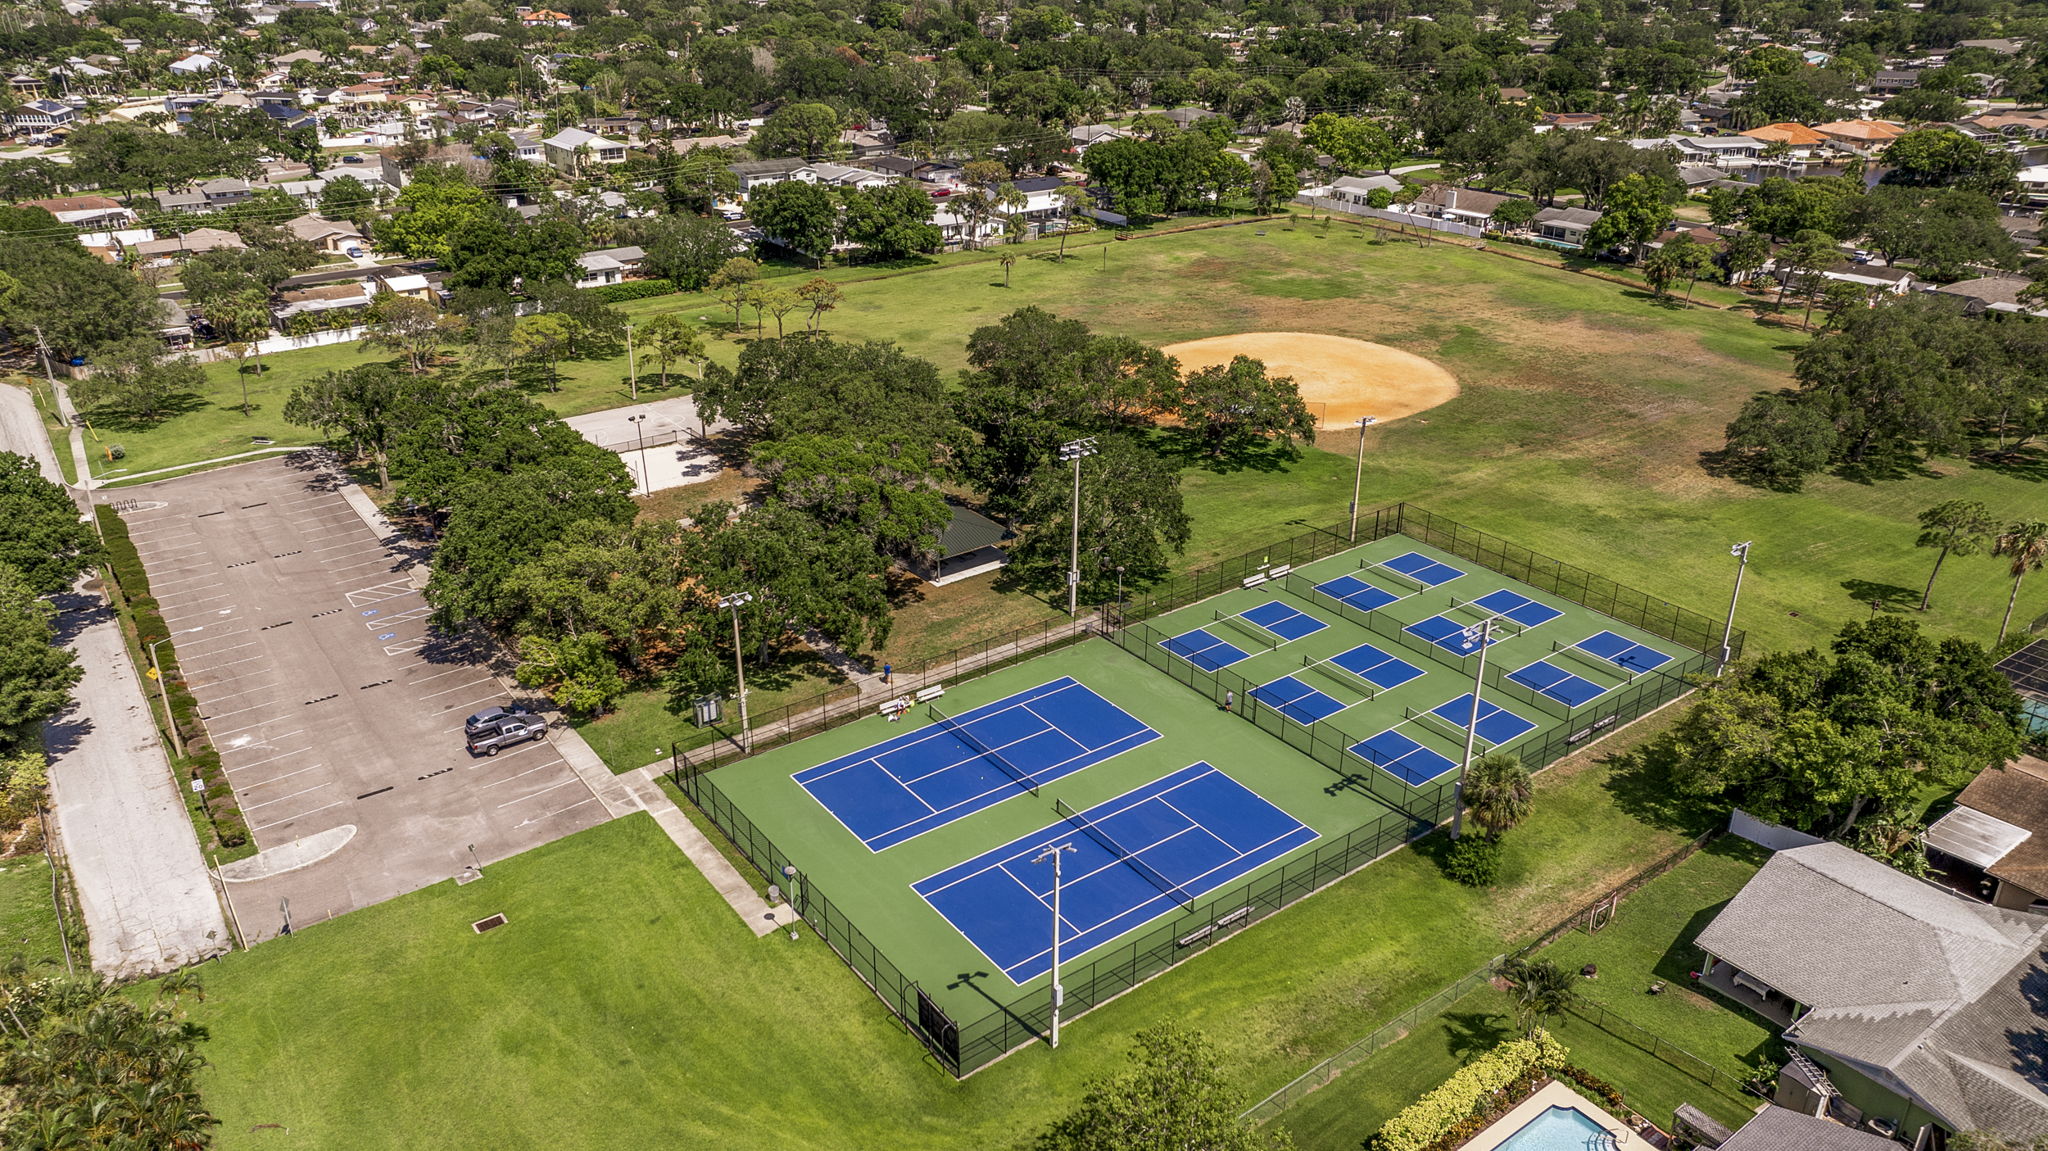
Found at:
[543, 791]
[1009, 783]
[261, 762]
[936, 728]
[282, 798]
[1072, 931]
[301, 815]
[276, 778]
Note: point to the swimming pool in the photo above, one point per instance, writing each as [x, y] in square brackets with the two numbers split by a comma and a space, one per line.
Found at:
[1559, 1129]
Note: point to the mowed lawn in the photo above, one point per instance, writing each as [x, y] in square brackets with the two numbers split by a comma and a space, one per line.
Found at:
[624, 1005]
[28, 920]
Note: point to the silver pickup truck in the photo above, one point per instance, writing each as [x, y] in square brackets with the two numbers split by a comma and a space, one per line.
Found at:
[489, 734]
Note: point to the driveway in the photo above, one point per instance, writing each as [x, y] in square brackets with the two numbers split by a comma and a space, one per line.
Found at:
[337, 708]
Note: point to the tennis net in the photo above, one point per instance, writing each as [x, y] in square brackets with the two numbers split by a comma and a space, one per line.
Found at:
[1167, 887]
[1410, 584]
[1249, 630]
[986, 752]
[1351, 680]
[1443, 727]
[1590, 663]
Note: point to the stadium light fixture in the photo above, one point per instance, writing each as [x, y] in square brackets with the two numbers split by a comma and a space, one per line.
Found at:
[1741, 553]
[734, 603]
[1358, 476]
[1076, 451]
[1479, 635]
[1059, 992]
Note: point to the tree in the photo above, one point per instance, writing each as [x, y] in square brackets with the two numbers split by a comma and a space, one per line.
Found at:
[1498, 792]
[1946, 156]
[1131, 515]
[1958, 527]
[1514, 214]
[884, 487]
[499, 521]
[36, 673]
[672, 339]
[1173, 1095]
[1778, 439]
[891, 222]
[347, 198]
[1637, 208]
[1887, 378]
[821, 295]
[733, 283]
[1810, 254]
[1073, 198]
[1542, 991]
[1355, 145]
[137, 381]
[779, 302]
[577, 671]
[362, 405]
[243, 318]
[1008, 260]
[545, 337]
[507, 253]
[1946, 231]
[69, 302]
[437, 206]
[1231, 407]
[1680, 256]
[2025, 544]
[807, 131]
[46, 543]
[686, 250]
[412, 327]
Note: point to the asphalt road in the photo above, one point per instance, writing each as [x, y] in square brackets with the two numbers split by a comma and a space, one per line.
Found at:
[337, 709]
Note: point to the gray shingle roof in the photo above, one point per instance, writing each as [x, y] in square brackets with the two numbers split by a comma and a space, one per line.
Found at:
[1779, 1129]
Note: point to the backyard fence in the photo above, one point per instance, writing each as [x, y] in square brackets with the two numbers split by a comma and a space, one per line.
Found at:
[1657, 1047]
[1594, 914]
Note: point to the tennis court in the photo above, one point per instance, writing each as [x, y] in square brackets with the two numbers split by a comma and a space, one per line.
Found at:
[1548, 679]
[953, 767]
[1135, 857]
[1296, 700]
[1349, 589]
[1623, 652]
[1402, 757]
[1422, 569]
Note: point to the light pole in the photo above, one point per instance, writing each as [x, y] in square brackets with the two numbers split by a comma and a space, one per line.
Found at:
[1358, 475]
[734, 603]
[1059, 993]
[1480, 633]
[640, 435]
[170, 721]
[632, 368]
[1741, 553]
[1076, 451]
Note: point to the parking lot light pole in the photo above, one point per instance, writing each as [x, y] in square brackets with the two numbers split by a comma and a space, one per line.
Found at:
[1358, 475]
[1480, 633]
[1076, 451]
[1059, 993]
[1741, 553]
[734, 603]
[640, 435]
[170, 721]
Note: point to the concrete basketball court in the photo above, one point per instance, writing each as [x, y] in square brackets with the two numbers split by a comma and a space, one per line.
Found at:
[663, 450]
[336, 708]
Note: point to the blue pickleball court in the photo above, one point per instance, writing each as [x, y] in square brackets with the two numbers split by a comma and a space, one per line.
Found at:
[1623, 652]
[1448, 634]
[1546, 678]
[1422, 569]
[1357, 593]
[1297, 700]
[1403, 758]
[1135, 858]
[923, 779]
[1517, 607]
[1497, 725]
[1285, 622]
[1376, 667]
[1205, 650]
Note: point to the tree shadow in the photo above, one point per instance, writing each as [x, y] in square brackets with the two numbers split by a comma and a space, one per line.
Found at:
[2027, 463]
[1877, 469]
[1247, 454]
[1882, 597]
[1467, 1033]
[1641, 782]
[119, 418]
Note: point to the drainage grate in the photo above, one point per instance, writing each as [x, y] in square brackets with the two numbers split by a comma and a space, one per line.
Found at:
[483, 925]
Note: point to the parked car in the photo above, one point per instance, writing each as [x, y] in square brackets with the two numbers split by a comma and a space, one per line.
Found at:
[353, 253]
[488, 719]
[508, 730]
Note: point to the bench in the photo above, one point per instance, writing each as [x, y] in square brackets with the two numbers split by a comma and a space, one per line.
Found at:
[1282, 570]
[1254, 580]
[928, 694]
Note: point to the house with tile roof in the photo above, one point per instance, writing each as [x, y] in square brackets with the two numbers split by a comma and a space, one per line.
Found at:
[1910, 1009]
[1861, 136]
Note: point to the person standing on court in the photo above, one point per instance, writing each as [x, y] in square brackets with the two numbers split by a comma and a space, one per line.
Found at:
[1229, 700]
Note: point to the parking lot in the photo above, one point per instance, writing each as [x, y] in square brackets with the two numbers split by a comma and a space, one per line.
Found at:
[337, 709]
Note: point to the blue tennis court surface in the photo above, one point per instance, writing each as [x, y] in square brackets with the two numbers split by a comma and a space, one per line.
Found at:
[903, 787]
[1376, 667]
[1205, 651]
[1283, 621]
[1448, 634]
[1422, 569]
[1497, 725]
[1402, 758]
[1517, 607]
[1547, 678]
[1296, 700]
[1192, 831]
[1623, 652]
[1357, 593]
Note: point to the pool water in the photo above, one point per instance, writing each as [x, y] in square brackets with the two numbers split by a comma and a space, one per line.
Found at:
[1559, 1129]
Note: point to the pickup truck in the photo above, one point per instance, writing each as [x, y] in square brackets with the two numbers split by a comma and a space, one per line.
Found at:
[506, 730]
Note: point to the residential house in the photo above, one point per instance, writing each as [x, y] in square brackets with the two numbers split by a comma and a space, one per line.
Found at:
[330, 237]
[109, 247]
[84, 211]
[1872, 278]
[1359, 189]
[1564, 227]
[846, 176]
[325, 298]
[629, 258]
[596, 269]
[1863, 137]
[39, 116]
[545, 18]
[196, 64]
[528, 146]
[189, 201]
[1994, 844]
[409, 284]
[755, 174]
[1186, 117]
[1999, 47]
[1462, 205]
[568, 149]
[2033, 183]
[1908, 1007]
[174, 326]
[1782, 1129]
[1892, 81]
[1044, 210]
[303, 55]
[173, 248]
[225, 192]
[1082, 138]
[861, 143]
[901, 167]
[1803, 141]
[1568, 120]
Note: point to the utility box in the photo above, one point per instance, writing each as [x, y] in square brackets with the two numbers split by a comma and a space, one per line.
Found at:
[709, 709]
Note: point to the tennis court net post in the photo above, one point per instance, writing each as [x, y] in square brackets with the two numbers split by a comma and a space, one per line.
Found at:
[1167, 887]
[1445, 728]
[1249, 630]
[986, 752]
[1604, 667]
[1351, 680]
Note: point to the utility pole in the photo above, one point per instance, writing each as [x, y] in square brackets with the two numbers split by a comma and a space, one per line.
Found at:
[1076, 451]
[734, 603]
[632, 371]
[1741, 553]
[1480, 633]
[1358, 475]
[1059, 993]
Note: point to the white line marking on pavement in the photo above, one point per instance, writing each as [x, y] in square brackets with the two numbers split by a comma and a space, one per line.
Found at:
[261, 762]
[470, 684]
[276, 778]
[237, 711]
[520, 775]
[266, 743]
[541, 792]
[301, 815]
[245, 691]
[282, 798]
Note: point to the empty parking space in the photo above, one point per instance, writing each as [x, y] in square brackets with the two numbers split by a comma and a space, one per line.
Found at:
[330, 697]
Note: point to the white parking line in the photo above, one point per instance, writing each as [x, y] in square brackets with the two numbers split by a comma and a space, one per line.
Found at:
[282, 798]
[405, 648]
[337, 547]
[406, 616]
[275, 778]
[250, 727]
[571, 807]
[159, 585]
[187, 644]
[238, 711]
[301, 815]
[523, 774]
[209, 669]
[237, 647]
[261, 762]
[175, 571]
[382, 561]
[246, 691]
[470, 684]
[439, 674]
[541, 792]
[266, 743]
[498, 694]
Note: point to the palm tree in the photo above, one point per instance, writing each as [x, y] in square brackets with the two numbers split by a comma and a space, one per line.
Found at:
[2026, 544]
[1498, 792]
[1008, 260]
[1542, 990]
[1072, 197]
[1955, 526]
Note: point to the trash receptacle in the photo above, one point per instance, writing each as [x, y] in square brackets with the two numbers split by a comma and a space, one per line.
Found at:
[709, 709]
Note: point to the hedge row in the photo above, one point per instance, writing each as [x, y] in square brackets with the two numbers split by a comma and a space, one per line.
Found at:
[633, 290]
[1505, 1073]
[201, 762]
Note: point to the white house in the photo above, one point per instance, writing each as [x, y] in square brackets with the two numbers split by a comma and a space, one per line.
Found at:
[566, 149]
[198, 63]
[2033, 183]
[38, 116]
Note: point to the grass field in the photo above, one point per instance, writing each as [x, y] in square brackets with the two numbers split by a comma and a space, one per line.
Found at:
[624, 1005]
[28, 920]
